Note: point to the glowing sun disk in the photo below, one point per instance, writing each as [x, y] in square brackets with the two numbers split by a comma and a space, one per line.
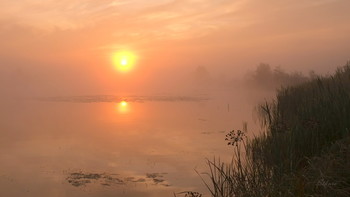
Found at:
[124, 60]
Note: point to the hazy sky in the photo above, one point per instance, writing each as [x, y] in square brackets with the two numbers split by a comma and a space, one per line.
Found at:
[67, 44]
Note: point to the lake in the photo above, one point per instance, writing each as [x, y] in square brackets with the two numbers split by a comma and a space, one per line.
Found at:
[108, 145]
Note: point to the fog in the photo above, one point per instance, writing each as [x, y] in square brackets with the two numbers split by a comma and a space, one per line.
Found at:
[70, 53]
[202, 67]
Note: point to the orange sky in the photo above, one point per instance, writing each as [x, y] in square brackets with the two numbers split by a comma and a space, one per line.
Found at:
[66, 44]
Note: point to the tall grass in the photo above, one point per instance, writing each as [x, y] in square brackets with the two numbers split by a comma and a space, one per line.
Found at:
[242, 176]
[304, 144]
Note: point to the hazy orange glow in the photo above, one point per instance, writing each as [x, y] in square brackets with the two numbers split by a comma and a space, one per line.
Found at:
[124, 61]
[123, 103]
[94, 87]
[123, 107]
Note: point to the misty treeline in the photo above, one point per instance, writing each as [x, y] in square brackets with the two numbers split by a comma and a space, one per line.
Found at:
[266, 76]
[263, 76]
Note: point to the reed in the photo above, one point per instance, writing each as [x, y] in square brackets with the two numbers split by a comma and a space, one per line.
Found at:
[303, 145]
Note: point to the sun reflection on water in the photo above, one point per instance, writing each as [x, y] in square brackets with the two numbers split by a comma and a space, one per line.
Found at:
[123, 107]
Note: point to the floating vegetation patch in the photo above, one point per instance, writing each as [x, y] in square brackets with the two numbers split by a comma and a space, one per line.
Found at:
[113, 98]
[188, 194]
[211, 132]
[80, 178]
[157, 178]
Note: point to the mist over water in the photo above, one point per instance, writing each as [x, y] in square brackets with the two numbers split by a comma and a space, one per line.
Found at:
[146, 140]
[72, 123]
[128, 144]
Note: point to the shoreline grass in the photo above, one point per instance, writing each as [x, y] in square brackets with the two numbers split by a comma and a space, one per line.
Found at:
[304, 147]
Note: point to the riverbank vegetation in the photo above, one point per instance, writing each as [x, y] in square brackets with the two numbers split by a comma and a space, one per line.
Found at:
[304, 148]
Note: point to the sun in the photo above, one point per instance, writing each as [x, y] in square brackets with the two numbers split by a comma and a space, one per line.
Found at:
[124, 61]
[123, 103]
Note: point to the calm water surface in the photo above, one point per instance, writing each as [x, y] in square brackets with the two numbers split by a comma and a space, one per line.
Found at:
[114, 146]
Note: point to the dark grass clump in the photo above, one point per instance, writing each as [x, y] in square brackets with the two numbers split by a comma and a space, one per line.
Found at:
[188, 194]
[242, 176]
[328, 174]
[303, 150]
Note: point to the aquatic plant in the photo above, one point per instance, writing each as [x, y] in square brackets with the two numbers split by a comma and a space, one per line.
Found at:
[303, 149]
[188, 194]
